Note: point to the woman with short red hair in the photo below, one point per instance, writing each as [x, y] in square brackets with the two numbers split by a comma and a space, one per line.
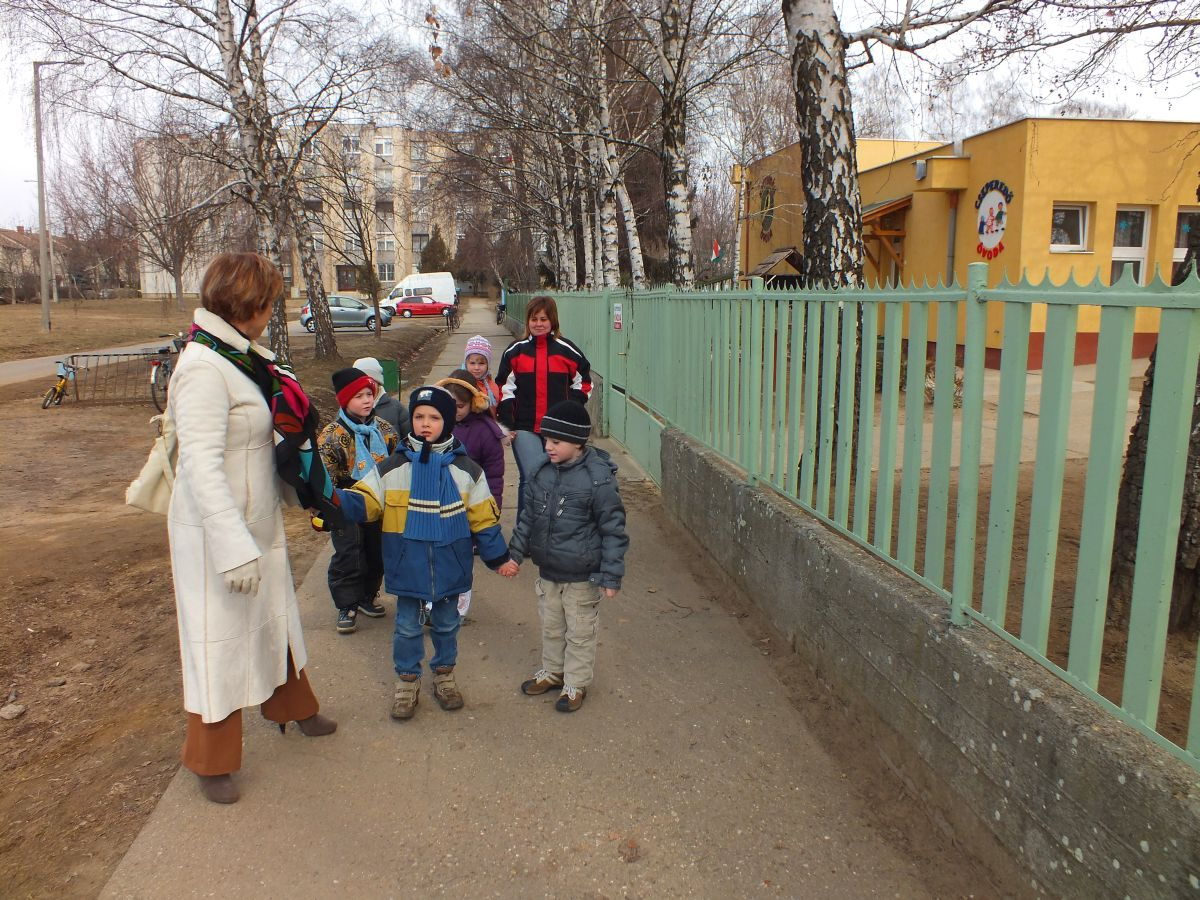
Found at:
[243, 424]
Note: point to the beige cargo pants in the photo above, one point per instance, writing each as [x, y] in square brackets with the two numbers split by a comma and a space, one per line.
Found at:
[570, 616]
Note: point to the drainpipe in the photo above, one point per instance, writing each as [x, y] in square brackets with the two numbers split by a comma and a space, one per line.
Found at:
[951, 230]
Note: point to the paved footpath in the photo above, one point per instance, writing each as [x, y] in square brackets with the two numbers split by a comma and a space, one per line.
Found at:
[686, 773]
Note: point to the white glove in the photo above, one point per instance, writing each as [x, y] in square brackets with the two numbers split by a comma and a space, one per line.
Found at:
[243, 579]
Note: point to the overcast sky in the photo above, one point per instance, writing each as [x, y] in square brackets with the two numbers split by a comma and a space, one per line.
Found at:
[18, 168]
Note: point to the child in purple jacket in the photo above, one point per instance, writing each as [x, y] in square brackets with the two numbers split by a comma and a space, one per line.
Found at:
[481, 437]
[476, 430]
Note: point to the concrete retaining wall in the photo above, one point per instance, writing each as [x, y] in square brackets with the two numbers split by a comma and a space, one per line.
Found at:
[998, 746]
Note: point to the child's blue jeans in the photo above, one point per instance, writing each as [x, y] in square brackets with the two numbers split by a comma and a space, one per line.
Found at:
[408, 640]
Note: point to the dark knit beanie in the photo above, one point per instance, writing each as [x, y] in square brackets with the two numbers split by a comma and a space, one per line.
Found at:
[441, 400]
[567, 421]
[348, 382]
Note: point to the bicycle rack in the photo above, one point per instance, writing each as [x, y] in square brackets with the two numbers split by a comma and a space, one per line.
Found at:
[112, 377]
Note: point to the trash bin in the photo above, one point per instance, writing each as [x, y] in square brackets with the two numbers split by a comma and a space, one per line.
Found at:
[391, 375]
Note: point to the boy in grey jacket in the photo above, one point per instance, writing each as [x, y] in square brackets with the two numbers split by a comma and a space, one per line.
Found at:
[573, 527]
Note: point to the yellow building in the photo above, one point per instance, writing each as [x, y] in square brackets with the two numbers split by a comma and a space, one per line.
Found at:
[1042, 197]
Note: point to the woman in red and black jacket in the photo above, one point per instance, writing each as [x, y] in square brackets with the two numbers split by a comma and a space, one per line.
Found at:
[536, 372]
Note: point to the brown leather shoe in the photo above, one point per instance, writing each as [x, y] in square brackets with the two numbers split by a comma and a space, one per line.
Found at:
[316, 725]
[445, 690]
[219, 788]
[570, 699]
[542, 682]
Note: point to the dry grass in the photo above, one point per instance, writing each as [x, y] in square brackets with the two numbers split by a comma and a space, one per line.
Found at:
[79, 325]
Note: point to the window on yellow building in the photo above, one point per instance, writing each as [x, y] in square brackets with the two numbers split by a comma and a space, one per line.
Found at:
[1130, 238]
[1187, 223]
[1068, 227]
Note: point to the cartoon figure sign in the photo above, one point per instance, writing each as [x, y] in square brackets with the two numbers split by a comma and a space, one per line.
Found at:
[993, 205]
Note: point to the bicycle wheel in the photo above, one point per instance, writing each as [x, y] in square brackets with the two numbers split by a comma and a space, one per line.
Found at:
[48, 397]
[159, 377]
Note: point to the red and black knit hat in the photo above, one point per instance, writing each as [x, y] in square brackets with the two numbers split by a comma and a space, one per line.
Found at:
[348, 382]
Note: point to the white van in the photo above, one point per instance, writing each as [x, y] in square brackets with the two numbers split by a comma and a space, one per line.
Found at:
[439, 286]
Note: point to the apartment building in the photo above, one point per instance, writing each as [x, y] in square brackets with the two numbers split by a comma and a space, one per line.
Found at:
[372, 194]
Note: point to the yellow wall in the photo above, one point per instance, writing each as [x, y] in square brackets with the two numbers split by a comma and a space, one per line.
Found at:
[787, 219]
[872, 152]
[1101, 163]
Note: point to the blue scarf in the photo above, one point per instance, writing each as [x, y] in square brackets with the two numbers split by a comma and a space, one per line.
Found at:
[435, 507]
[369, 446]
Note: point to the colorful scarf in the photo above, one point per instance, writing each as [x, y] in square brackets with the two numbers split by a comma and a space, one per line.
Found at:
[369, 446]
[435, 507]
[295, 423]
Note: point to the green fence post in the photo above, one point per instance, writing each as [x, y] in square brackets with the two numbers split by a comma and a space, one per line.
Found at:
[967, 513]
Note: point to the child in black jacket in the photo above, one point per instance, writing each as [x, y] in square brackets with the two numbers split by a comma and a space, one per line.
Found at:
[573, 527]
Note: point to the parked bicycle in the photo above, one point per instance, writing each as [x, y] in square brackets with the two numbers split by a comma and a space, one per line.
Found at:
[453, 319]
[161, 367]
[501, 313]
[66, 374]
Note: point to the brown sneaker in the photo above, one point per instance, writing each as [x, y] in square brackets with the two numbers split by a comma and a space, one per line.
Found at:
[408, 694]
[570, 699]
[541, 682]
[445, 691]
[219, 788]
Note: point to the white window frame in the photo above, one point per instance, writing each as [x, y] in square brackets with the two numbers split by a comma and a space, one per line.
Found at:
[385, 245]
[417, 151]
[1085, 225]
[385, 147]
[418, 181]
[1133, 254]
[1178, 253]
[386, 271]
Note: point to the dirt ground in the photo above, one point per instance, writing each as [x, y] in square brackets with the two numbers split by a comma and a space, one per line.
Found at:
[88, 643]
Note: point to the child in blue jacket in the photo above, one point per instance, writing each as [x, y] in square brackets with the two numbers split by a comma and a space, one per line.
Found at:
[435, 506]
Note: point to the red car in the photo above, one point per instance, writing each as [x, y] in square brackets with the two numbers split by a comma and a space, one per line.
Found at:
[416, 306]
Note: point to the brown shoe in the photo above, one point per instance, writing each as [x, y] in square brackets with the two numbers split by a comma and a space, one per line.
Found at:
[570, 699]
[445, 691]
[541, 682]
[408, 694]
[219, 788]
[316, 725]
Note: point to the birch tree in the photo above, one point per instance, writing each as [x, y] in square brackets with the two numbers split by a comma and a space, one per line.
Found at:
[277, 75]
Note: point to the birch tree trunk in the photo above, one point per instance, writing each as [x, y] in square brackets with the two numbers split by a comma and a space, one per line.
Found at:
[606, 208]
[597, 242]
[585, 227]
[674, 147]
[637, 265]
[833, 248]
[269, 245]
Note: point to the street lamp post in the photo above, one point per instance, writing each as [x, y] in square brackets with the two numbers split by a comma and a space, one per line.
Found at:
[43, 237]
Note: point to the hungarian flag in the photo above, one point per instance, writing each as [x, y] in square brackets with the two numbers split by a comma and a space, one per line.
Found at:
[716, 253]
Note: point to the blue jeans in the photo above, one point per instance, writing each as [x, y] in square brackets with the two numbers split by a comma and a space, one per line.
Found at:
[408, 640]
[528, 451]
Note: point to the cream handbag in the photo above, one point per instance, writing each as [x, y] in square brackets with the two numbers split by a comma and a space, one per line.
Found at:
[151, 490]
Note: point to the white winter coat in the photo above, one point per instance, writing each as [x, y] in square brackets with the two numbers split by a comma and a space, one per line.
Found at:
[226, 509]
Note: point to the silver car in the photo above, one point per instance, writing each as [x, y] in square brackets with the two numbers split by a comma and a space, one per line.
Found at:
[347, 312]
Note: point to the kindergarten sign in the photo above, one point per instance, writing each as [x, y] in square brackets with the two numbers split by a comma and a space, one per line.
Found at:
[993, 203]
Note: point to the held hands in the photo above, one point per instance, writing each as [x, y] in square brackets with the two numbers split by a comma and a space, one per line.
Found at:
[509, 569]
[243, 579]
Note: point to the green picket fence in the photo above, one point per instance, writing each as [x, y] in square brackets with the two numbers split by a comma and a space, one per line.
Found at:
[917, 453]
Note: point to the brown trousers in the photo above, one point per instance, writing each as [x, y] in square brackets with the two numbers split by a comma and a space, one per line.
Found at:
[215, 748]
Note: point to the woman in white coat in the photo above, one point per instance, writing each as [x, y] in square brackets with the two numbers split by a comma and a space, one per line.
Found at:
[239, 626]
